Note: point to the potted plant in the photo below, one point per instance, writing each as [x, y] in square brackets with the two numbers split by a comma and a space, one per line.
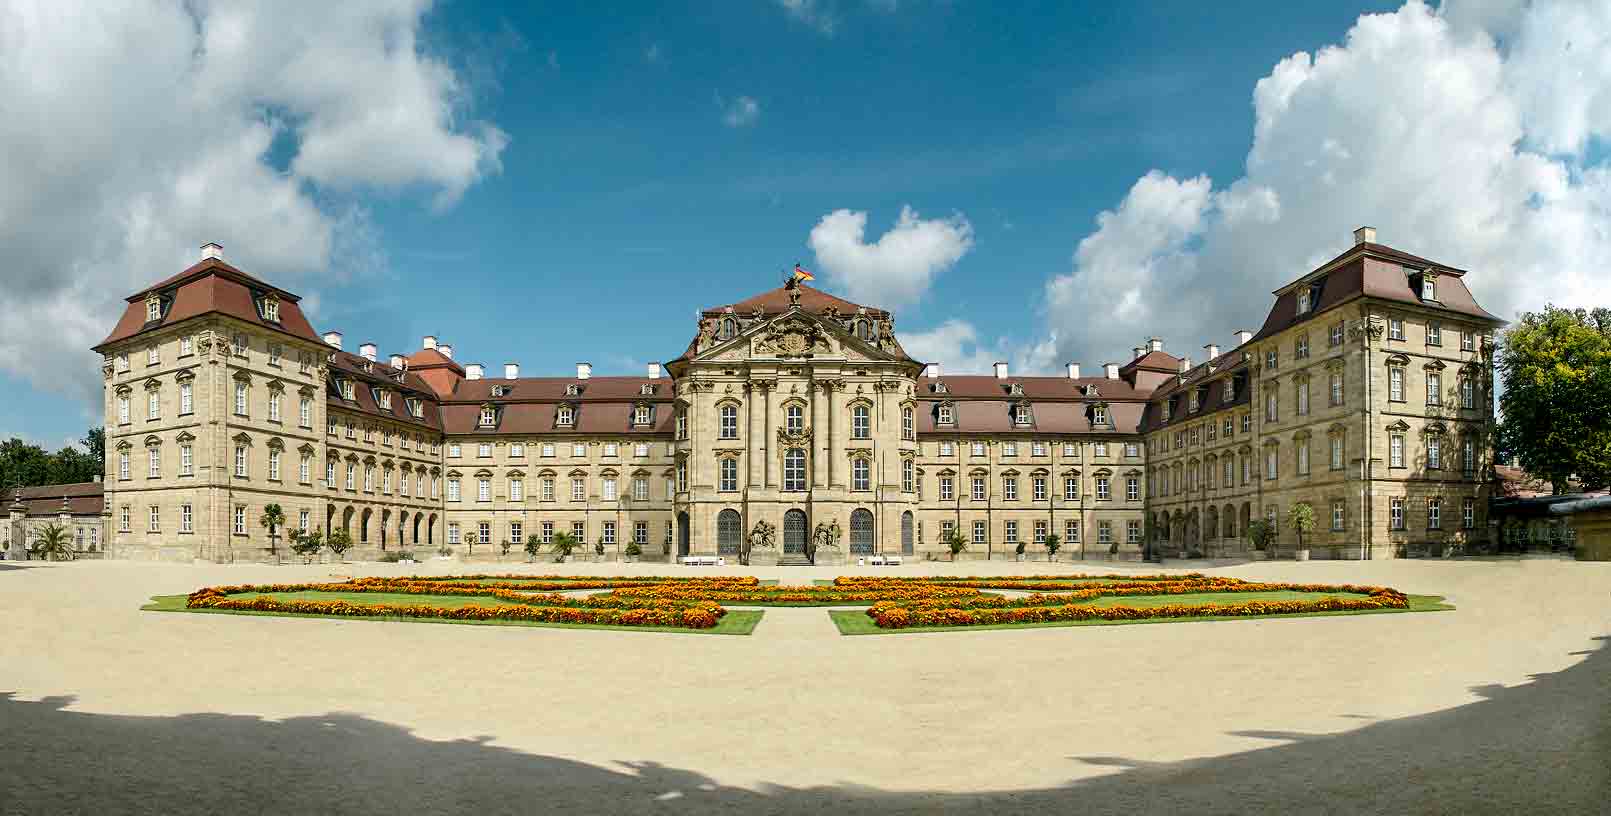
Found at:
[632, 552]
[53, 544]
[956, 544]
[469, 541]
[534, 543]
[306, 545]
[340, 542]
[1261, 534]
[1301, 518]
[598, 550]
[1054, 542]
[564, 545]
[505, 545]
[1019, 551]
[1113, 550]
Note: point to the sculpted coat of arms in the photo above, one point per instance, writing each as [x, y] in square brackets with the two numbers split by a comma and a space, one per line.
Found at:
[793, 338]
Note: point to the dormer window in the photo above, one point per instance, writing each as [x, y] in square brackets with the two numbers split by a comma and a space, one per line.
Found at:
[1230, 390]
[1192, 401]
[939, 388]
[347, 390]
[946, 415]
[500, 390]
[153, 309]
[1303, 300]
[416, 407]
[271, 309]
[1168, 409]
[1099, 415]
[573, 390]
[1429, 290]
[646, 390]
[642, 415]
[1021, 415]
[864, 330]
[489, 417]
[566, 415]
[729, 329]
[386, 400]
[1016, 389]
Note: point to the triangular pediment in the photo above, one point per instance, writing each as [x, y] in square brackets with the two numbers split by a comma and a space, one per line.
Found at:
[796, 335]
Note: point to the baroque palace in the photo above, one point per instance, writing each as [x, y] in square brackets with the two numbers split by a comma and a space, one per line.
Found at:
[1367, 394]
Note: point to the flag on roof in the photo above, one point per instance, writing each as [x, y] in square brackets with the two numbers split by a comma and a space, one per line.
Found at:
[801, 274]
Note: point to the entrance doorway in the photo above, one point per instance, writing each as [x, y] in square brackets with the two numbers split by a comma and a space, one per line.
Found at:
[794, 532]
[906, 533]
[729, 532]
[861, 531]
[682, 534]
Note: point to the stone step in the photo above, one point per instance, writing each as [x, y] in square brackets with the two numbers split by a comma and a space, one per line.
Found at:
[793, 561]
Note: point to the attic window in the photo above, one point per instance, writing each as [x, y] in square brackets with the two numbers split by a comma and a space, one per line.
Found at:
[386, 400]
[416, 407]
[729, 329]
[500, 390]
[153, 309]
[946, 415]
[1099, 415]
[1191, 401]
[1429, 289]
[1303, 300]
[939, 388]
[346, 389]
[573, 390]
[566, 415]
[646, 389]
[1021, 414]
[489, 417]
[642, 415]
[1016, 389]
[271, 309]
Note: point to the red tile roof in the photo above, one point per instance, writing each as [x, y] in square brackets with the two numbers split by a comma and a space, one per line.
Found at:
[382, 375]
[812, 299]
[210, 287]
[83, 499]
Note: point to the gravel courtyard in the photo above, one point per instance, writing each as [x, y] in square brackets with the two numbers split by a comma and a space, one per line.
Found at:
[1501, 706]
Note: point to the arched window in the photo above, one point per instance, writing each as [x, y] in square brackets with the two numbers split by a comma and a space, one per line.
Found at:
[861, 532]
[729, 328]
[861, 426]
[794, 469]
[908, 424]
[794, 419]
[728, 415]
[864, 329]
[729, 532]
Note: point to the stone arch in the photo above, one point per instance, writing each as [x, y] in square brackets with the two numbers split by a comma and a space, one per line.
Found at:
[907, 546]
[862, 538]
[1230, 521]
[385, 521]
[729, 533]
[346, 519]
[1211, 523]
[363, 525]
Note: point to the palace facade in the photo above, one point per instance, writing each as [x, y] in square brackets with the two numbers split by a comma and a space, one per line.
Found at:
[1366, 395]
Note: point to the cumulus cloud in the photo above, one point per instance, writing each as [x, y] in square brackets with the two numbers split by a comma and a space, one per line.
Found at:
[741, 112]
[898, 268]
[137, 130]
[1460, 136]
[959, 349]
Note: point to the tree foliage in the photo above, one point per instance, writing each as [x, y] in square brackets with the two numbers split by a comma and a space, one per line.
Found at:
[1301, 518]
[339, 542]
[1555, 367]
[27, 465]
[54, 544]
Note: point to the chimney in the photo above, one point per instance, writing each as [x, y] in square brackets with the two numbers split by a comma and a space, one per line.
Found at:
[932, 371]
[446, 350]
[1213, 350]
[511, 371]
[429, 341]
[213, 251]
[1185, 364]
[584, 370]
[473, 371]
[1243, 336]
[654, 371]
[397, 361]
[367, 351]
[1073, 371]
[1154, 344]
[333, 338]
[1137, 352]
[1001, 371]
[1110, 370]
[1364, 235]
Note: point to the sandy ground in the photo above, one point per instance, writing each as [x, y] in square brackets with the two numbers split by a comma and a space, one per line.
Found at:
[1502, 706]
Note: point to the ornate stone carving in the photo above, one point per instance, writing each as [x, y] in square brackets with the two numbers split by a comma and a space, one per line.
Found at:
[794, 440]
[793, 338]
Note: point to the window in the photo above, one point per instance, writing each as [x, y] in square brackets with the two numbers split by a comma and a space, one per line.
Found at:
[1303, 457]
[1303, 398]
[1099, 415]
[1337, 388]
[612, 449]
[1272, 359]
[1271, 405]
[483, 489]
[1395, 328]
[1337, 514]
[1132, 532]
[153, 309]
[1336, 452]
[1468, 513]
[304, 471]
[977, 449]
[187, 462]
[123, 362]
[566, 415]
[979, 532]
[452, 486]
[1468, 456]
[369, 478]
[274, 351]
[153, 404]
[123, 518]
[1429, 290]
[640, 533]
[1009, 488]
[1434, 453]
[1395, 450]
[1012, 532]
[640, 415]
[489, 417]
[947, 488]
[640, 489]
[1434, 513]
[1434, 388]
[402, 484]
[187, 518]
[1230, 471]
[548, 488]
[352, 480]
[123, 409]
[945, 415]
[1247, 422]
[609, 488]
[682, 475]
[794, 470]
[1395, 383]
[978, 486]
[240, 461]
[1009, 449]
[578, 489]
[1104, 532]
[908, 424]
[453, 451]
[1395, 513]
[1071, 489]
[453, 532]
[1021, 415]
[1468, 393]
[154, 463]
[1467, 341]
[578, 449]
[908, 475]
[330, 473]
[1303, 300]
[794, 419]
[548, 450]
[240, 399]
[1103, 488]
[947, 448]
[728, 479]
[1038, 488]
[1132, 488]
[1272, 461]
[860, 422]
[1071, 532]
[860, 474]
[1337, 334]
[274, 406]
[483, 449]
[728, 415]
[1300, 349]
[274, 466]
[240, 519]
[240, 345]
[305, 413]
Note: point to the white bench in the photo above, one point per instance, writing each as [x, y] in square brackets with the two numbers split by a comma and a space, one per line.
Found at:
[703, 561]
[884, 560]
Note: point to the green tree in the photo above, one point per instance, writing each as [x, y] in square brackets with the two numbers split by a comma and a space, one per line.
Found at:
[22, 464]
[1260, 533]
[564, 544]
[955, 543]
[306, 545]
[1301, 518]
[534, 544]
[1054, 542]
[54, 544]
[340, 542]
[271, 520]
[1555, 367]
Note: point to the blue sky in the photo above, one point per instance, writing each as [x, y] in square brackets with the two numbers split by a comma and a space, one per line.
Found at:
[656, 162]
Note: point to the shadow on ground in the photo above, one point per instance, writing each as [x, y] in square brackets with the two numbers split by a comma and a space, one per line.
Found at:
[1541, 747]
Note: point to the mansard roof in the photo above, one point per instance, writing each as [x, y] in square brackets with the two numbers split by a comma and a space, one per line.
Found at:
[210, 287]
[994, 416]
[987, 386]
[812, 299]
[381, 375]
[553, 389]
[538, 418]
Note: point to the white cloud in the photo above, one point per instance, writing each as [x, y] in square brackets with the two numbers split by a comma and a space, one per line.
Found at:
[742, 112]
[898, 268]
[958, 348]
[1418, 124]
[818, 15]
[137, 130]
